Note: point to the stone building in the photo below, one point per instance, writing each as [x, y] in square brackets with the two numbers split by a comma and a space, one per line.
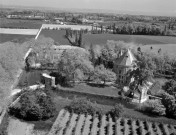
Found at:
[122, 65]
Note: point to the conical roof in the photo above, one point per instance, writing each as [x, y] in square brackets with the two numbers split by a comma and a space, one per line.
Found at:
[126, 59]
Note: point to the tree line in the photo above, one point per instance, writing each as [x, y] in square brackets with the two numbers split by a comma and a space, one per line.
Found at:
[132, 29]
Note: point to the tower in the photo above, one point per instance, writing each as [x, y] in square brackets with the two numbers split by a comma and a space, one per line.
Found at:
[122, 65]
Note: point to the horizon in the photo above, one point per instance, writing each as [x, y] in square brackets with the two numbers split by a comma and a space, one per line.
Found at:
[145, 7]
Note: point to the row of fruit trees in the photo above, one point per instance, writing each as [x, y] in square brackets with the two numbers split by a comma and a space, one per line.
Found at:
[80, 124]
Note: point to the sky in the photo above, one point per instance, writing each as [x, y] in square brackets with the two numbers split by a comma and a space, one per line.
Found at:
[158, 7]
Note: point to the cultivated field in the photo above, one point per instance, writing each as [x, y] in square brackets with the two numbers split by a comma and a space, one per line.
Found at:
[101, 39]
[14, 38]
[81, 124]
[57, 35]
[18, 23]
[19, 31]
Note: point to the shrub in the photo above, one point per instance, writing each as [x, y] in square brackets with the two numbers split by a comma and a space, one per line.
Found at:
[83, 106]
[33, 105]
[154, 107]
[170, 104]
[170, 87]
[117, 111]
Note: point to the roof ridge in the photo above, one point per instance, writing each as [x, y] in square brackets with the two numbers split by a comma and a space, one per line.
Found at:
[126, 59]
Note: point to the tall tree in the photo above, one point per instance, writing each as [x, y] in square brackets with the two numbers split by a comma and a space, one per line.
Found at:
[142, 73]
[103, 74]
[76, 38]
[80, 39]
[73, 63]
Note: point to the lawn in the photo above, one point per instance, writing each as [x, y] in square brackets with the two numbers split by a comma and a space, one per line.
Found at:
[101, 39]
[57, 35]
[64, 98]
[66, 95]
[14, 38]
[29, 78]
[95, 89]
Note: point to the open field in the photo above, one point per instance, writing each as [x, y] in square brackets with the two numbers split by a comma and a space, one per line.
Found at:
[77, 124]
[19, 31]
[57, 35]
[14, 38]
[101, 39]
[169, 49]
[18, 23]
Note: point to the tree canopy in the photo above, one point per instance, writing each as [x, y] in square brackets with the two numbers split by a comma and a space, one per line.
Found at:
[74, 63]
[103, 74]
[11, 60]
[170, 87]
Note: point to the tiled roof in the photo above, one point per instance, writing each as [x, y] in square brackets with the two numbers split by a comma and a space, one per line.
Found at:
[126, 59]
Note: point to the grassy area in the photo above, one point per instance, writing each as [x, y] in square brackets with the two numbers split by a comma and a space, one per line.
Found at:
[29, 78]
[95, 89]
[57, 35]
[63, 98]
[18, 23]
[14, 38]
[165, 48]
[107, 104]
[101, 39]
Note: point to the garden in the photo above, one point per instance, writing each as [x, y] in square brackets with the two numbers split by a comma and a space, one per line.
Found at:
[82, 115]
